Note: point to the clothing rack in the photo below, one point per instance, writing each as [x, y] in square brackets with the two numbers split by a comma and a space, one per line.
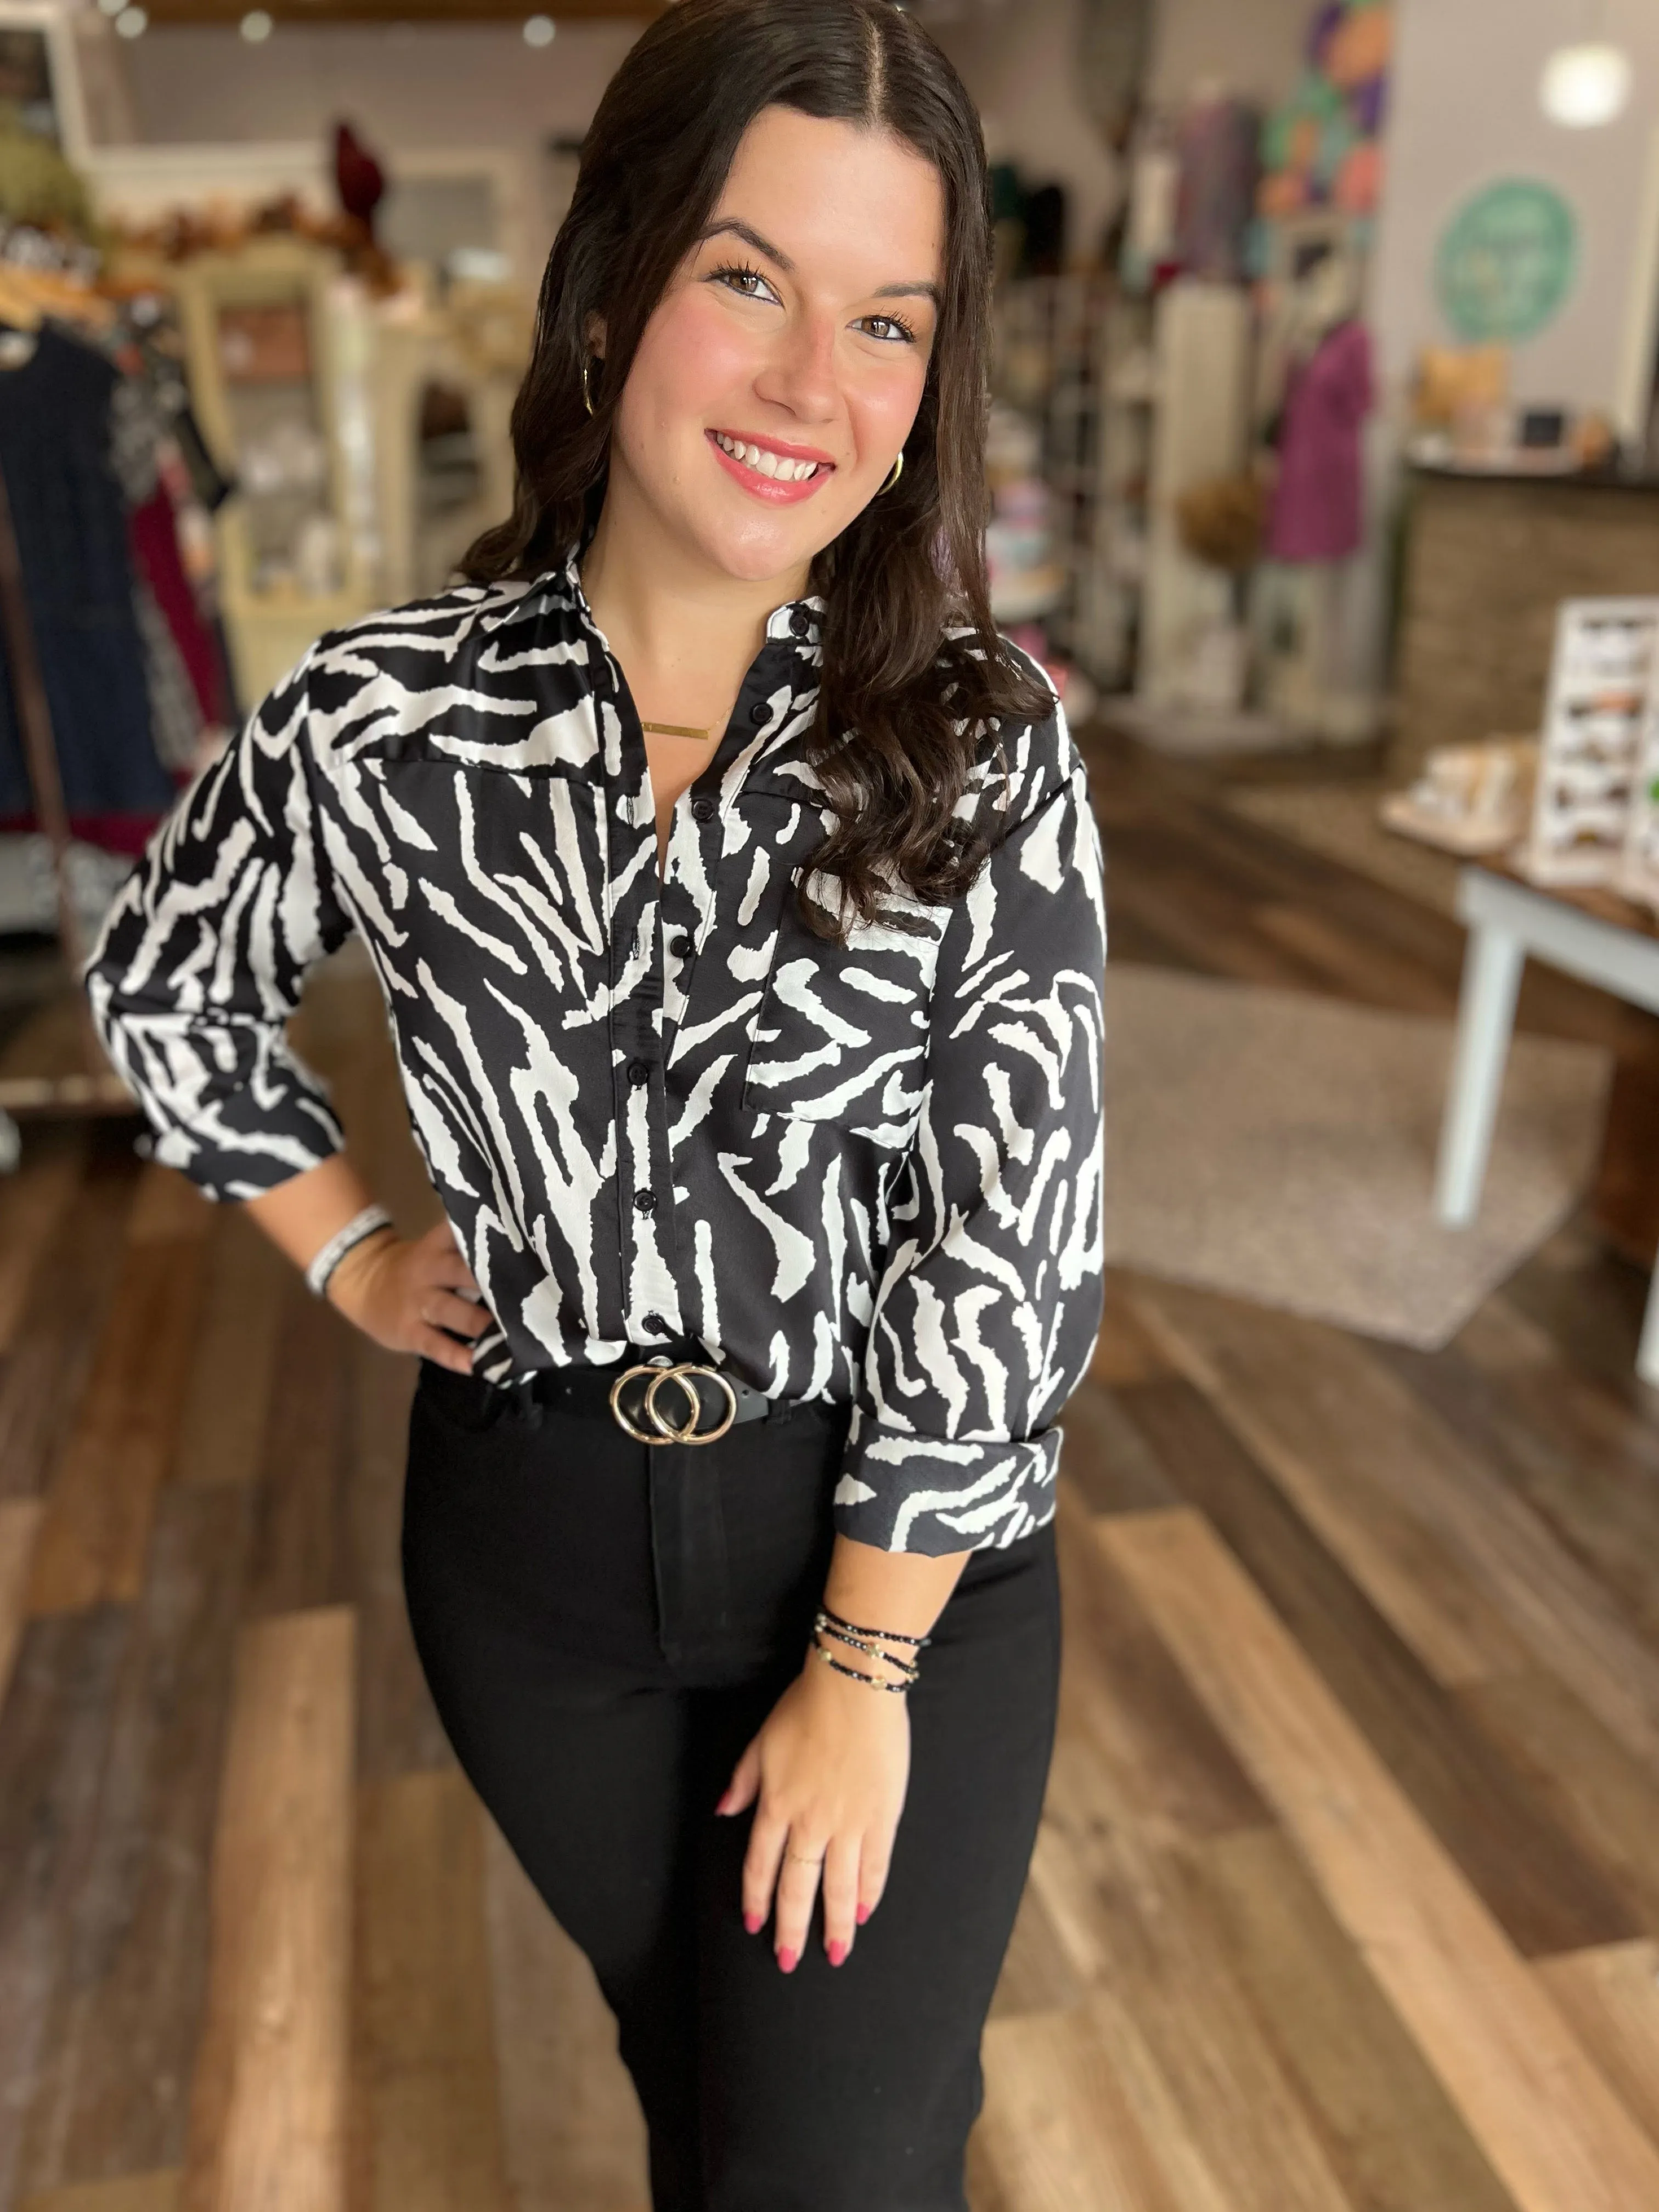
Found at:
[54, 1066]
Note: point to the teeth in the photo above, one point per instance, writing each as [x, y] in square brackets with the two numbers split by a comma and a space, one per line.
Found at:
[766, 463]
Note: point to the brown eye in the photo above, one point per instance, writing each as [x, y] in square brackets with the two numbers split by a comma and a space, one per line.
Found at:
[896, 331]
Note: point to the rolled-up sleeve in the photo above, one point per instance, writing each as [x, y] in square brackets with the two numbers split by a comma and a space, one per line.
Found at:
[203, 957]
[990, 1302]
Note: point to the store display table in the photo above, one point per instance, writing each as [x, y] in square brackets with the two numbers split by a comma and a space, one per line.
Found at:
[1593, 935]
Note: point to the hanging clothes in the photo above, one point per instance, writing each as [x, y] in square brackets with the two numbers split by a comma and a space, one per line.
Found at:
[71, 527]
[1218, 143]
[1319, 502]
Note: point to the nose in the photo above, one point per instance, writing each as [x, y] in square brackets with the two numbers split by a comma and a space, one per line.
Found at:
[800, 372]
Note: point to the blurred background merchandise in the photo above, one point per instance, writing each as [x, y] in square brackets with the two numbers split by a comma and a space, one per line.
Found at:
[1323, 464]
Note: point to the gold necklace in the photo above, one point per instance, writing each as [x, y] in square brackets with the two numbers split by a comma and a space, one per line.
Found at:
[675, 729]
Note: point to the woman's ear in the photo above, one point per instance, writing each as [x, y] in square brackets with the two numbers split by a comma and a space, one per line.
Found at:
[594, 335]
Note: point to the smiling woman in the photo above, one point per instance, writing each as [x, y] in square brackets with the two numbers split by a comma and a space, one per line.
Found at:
[791, 251]
[771, 1171]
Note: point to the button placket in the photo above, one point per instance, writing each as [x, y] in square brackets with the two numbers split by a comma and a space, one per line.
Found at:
[650, 1276]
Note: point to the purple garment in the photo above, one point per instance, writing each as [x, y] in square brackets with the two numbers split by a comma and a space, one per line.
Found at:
[1318, 511]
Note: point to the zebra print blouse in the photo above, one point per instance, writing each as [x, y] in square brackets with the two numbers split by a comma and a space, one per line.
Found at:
[657, 1110]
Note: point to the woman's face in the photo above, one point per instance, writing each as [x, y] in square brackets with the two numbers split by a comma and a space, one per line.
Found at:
[782, 369]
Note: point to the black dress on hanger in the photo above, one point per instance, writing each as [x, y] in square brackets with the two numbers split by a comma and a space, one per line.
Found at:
[70, 523]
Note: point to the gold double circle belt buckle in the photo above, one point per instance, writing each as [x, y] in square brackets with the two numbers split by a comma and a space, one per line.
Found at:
[687, 1379]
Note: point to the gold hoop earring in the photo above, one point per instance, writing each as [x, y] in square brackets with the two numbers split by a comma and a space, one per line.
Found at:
[587, 396]
[898, 471]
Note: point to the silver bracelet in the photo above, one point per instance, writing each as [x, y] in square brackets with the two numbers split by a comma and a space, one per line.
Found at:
[360, 1225]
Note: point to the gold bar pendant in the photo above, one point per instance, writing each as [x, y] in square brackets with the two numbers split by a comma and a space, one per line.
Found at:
[672, 730]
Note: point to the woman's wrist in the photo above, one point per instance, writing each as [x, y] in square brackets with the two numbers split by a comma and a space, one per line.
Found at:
[369, 1221]
[358, 1262]
[879, 1659]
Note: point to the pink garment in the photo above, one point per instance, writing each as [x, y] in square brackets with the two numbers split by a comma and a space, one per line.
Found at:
[153, 531]
[1319, 509]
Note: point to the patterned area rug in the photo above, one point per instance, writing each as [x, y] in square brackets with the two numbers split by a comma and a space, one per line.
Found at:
[1279, 1146]
[1339, 821]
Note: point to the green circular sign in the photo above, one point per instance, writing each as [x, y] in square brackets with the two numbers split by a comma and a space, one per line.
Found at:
[1507, 262]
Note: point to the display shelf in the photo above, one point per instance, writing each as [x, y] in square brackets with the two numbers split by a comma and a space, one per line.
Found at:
[1137, 401]
[1063, 342]
[1592, 823]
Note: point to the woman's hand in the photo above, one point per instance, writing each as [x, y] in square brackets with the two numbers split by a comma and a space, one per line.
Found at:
[406, 1293]
[830, 1764]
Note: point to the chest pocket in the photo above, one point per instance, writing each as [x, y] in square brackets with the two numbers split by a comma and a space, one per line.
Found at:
[840, 1033]
[487, 871]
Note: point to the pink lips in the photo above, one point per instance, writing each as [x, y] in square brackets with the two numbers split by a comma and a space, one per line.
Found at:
[768, 488]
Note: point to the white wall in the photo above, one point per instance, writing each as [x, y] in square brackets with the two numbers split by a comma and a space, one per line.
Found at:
[1018, 58]
[1465, 113]
[432, 84]
[1254, 47]
[416, 89]
[1019, 64]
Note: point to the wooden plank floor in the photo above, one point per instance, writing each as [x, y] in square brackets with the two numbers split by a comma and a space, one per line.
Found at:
[1347, 1898]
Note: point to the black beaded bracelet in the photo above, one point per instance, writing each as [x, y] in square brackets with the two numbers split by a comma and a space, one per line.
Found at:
[857, 1672]
[892, 1635]
[908, 1667]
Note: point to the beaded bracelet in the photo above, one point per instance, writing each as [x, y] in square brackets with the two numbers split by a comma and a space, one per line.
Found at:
[908, 1667]
[892, 1635]
[857, 1672]
[829, 1623]
[872, 1651]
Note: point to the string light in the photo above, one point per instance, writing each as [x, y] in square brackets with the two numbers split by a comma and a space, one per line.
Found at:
[133, 22]
[256, 27]
[540, 31]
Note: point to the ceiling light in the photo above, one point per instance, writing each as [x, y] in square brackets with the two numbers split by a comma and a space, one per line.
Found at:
[540, 31]
[256, 27]
[1585, 86]
[133, 22]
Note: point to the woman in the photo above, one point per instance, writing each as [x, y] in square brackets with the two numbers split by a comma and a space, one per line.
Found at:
[736, 902]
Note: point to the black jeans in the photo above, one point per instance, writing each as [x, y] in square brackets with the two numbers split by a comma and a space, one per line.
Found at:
[603, 1627]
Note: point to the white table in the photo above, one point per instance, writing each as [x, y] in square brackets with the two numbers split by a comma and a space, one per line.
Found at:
[1507, 920]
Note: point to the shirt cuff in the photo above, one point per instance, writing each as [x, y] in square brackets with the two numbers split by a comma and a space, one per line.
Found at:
[225, 1163]
[904, 1493]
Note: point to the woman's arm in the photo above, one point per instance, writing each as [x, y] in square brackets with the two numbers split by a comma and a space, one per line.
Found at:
[405, 1294]
[831, 1764]
[984, 1319]
[903, 1591]
[199, 964]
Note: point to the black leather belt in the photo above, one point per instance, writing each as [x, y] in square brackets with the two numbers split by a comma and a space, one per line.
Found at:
[660, 1401]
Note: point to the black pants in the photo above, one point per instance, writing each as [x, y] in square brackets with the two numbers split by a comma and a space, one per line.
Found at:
[603, 1627]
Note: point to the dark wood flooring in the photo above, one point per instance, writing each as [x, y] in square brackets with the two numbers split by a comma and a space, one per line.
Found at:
[1348, 1894]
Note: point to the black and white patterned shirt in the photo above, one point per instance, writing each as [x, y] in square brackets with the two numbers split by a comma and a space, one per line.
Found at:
[658, 1109]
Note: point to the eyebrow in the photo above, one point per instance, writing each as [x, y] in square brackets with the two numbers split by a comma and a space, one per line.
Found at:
[733, 226]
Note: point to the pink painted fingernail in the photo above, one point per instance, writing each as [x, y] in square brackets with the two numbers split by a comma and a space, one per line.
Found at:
[864, 1914]
[837, 1952]
[786, 1960]
[751, 1921]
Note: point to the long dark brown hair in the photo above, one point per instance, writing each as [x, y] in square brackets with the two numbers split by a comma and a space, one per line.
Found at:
[903, 707]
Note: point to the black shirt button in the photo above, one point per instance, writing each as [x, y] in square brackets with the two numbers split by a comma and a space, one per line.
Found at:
[639, 1071]
[645, 1201]
[679, 942]
[800, 621]
[705, 809]
[655, 1323]
[759, 712]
